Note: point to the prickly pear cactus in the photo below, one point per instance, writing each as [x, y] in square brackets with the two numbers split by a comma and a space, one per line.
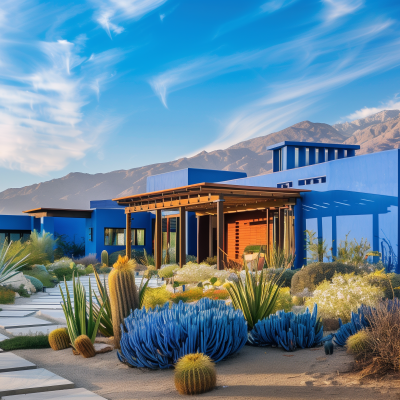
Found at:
[195, 374]
[123, 293]
[84, 346]
[59, 339]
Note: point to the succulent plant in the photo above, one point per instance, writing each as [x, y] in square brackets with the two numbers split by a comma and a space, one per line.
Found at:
[104, 257]
[195, 374]
[124, 296]
[359, 343]
[59, 339]
[72, 265]
[159, 337]
[84, 346]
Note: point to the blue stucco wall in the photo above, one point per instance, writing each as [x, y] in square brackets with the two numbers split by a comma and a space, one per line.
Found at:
[73, 228]
[360, 197]
[114, 218]
[16, 222]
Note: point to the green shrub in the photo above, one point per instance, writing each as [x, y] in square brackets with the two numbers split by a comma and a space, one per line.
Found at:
[47, 279]
[359, 343]
[210, 260]
[150, 272]
[168, 272]
[67, 272]
[89, 269]
[38, 267]
[35, 282]
[105, 270]
[284, 301]
[390, 283]
[285, 280]
[343, 295]
[312, 275]
[25, 342]
[21, 291]
[188, 296]
[155, 297]
[63, 262]
[7, 296]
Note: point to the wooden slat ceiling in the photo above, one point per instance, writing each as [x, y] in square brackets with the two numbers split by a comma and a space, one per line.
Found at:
[203, 197]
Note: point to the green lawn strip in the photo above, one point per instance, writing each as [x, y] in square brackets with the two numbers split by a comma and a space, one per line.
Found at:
[25, 342]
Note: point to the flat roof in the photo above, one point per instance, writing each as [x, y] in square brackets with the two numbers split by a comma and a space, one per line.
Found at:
[314, 144]
[203, 198]
[58, 212]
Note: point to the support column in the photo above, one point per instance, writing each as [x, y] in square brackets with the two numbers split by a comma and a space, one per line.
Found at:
[128, 243]
[182, 236]
[158, 240]
[198, 236]
[210, 237]
[281, 223]
[220, 233]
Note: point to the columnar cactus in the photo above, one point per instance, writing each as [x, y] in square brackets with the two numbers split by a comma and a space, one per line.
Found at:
[104, 257]
[59, 339]
[84, 346]
[195, 374]
[123, 293]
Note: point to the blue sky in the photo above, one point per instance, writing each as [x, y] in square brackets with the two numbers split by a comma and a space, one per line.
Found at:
[99, 85]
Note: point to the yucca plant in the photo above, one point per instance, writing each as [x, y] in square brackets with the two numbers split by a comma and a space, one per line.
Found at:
[256, 297]
[80, 316]
[9, 267]
[276, 257]
[106, 326]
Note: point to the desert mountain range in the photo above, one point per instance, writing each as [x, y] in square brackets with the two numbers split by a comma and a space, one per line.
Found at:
[377, 132]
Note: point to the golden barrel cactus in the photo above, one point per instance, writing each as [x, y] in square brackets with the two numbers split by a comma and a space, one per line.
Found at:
[84, 346]
[195, 374]
[124, 295]
[359, 343]
[59, 339]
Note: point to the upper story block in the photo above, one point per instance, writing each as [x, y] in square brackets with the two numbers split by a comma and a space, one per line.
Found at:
[289, 155]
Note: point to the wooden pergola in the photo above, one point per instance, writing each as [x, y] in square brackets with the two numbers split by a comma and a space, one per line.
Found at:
[203, 199]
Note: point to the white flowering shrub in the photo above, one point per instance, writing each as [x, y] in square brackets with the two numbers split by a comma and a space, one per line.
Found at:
[346, 293]
[194, 273]
[61, 263]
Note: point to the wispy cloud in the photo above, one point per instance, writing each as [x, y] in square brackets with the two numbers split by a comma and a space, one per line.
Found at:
[365, 112]
[339, 8]
[200, 69]
[265, 9]
[111, 13]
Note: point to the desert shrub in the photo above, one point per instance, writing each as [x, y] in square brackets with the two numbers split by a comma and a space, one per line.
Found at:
[390, 283]
[158, 338]
[90, 259]
[168, 272]
[359, 344]
[344, 295]
[19, 250]
[194, 273]
[89, 269]
[105, 270]
[313, 274]
[286, 275]
[66, 273]
[21, 291]
[352, 252]
[284, 301]
[150, 272]
[63, 262]
[42, 243]
[47, 279]
[35, 282]
[316, 247]
[155, 297]
[190, 258]
[7, 296]
[210, 260]
[39, 268]
[25, 342]
[216, 294]
[187, 296]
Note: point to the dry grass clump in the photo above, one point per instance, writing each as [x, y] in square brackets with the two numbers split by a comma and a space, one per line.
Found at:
[382, 354]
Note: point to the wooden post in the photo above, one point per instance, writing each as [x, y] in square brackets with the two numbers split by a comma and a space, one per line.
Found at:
[182, 236]
[281, 223]
[267, 237]
[128, 243]
[220, 233]
[158, 239]
[210, 237]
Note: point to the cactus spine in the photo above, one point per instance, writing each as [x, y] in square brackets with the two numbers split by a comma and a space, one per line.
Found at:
[195, 374]
[85, 346]
[59, 339]
[104, 257]
[123, 293]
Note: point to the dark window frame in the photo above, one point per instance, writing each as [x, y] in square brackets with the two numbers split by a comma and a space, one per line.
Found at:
[133, 236]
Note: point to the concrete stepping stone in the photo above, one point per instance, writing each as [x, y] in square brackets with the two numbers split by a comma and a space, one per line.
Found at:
[34, 330]
[57, 315]
[29, 307]
[31, 381]
[8, 323]
[66, 394]
[16, 314]
[11, 362]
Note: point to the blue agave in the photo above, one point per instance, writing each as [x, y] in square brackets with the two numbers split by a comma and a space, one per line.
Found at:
[288, 330]
[158, 338]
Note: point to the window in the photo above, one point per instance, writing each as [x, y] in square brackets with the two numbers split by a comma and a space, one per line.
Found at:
[285, 185]
[280, 160]
[336, 154]
[316, 156]
[326, 155]
[307, 156]
[14, 236]
[345, 153]
[90, 234]
[117, 237]
[296, 157]
[312, 181]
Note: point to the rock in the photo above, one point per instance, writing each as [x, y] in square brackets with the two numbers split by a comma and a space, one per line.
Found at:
[233, 277]
[102, 348]
[17, 295]
[105, 340]
[17, 280]
[170, 288]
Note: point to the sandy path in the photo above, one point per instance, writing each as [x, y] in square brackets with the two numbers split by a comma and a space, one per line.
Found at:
[254, 373]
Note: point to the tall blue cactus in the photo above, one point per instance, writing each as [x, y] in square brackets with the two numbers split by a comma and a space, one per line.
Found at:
[158, 338]
[288, 330]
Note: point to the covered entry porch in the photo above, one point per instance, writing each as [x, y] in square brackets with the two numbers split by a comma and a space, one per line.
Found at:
[224, 214]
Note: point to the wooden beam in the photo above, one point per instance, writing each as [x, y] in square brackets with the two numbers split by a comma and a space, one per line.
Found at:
[128, 243]
[182, 236]
[220, 233]
[62, 214]
[158, 240]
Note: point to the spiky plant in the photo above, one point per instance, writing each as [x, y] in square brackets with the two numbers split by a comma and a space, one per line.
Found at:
[59, 339]
[106, 325]
[104, 257]
[359, 343]
[80, 316]
[195, 374]
[256, 297]
[84, 346]
[124, 295]
[9, 266]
